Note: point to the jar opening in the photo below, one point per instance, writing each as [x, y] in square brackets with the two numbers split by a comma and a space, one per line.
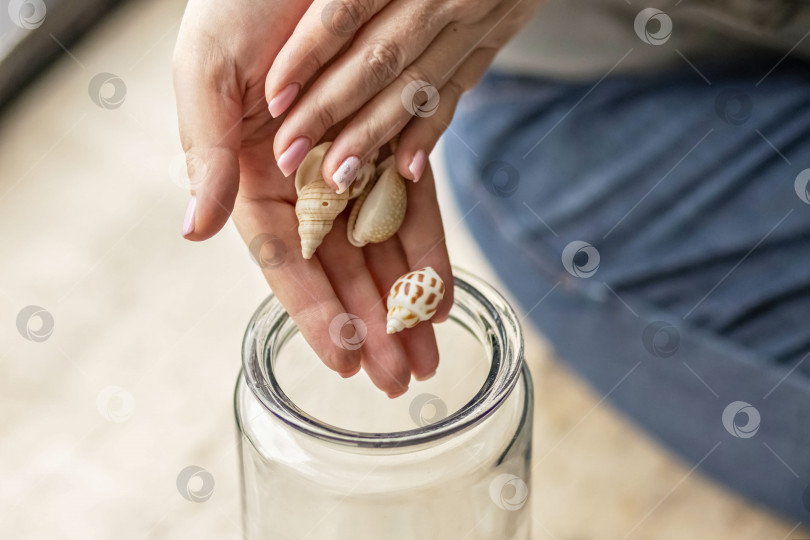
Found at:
[478, 309]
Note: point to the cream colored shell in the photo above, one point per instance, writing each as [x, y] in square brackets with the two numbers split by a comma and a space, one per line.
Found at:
[310, 169]
[379, 210]
[414, 297]
[318, 205]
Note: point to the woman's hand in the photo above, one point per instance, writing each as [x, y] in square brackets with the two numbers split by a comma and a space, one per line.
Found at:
[222, 56]
[384, 65]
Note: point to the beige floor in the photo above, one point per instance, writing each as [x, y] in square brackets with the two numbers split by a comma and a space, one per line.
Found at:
[136, 381]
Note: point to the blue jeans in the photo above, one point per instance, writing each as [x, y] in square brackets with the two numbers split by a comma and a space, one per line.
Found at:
[654, 228]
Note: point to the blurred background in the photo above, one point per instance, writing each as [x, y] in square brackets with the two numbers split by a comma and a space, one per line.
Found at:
[119, 342]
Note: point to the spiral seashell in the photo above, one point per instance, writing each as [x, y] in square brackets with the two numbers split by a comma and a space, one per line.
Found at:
[310, 169]
[379, 210]
[318, 205]
[413, 298]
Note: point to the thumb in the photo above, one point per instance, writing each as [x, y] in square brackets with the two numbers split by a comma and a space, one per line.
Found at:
[209, 116]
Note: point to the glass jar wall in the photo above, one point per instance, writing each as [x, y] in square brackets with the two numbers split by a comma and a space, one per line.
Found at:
[330, 458]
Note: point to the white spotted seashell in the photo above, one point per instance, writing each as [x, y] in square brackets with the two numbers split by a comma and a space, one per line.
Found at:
[414, 297]
[379, 210]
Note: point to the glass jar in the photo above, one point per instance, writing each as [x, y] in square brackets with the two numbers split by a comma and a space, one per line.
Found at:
[324, 457]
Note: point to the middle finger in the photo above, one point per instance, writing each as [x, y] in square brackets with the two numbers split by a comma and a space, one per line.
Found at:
[382, 356]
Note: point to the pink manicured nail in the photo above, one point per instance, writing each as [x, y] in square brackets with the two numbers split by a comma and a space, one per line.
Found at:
[393, 395]
[188, 221]
[352, 373]
[293, 155]
[425, 377]
[346, 173]
[417, 166]
[282, 101]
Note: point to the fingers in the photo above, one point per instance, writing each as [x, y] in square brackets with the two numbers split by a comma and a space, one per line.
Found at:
[209, 115]
[387, 262]
[414, 94]
[270, 229]
[383, 356]
[398, 36]
[422, 237]
[421, 134]
[323, 30]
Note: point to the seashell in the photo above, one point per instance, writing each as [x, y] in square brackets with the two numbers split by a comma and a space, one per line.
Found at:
[385, 164]
[310, 169]
[414, 297]
[318, 205]
[379, 210]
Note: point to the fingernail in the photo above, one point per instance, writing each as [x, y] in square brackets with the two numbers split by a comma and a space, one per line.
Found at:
[346, 173]
[293, 155]
[352, 373]
[188, 221]
[282, 101]
[425, 377]
[393, 395]
[417, 166]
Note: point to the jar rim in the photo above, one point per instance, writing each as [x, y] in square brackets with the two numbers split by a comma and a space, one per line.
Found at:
[479, 299]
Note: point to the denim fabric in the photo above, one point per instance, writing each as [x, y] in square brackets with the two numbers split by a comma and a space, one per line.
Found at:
[693, 290]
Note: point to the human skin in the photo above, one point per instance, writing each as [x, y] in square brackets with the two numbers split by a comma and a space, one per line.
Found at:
[227, 60]
[221, 60]
[358, 61]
